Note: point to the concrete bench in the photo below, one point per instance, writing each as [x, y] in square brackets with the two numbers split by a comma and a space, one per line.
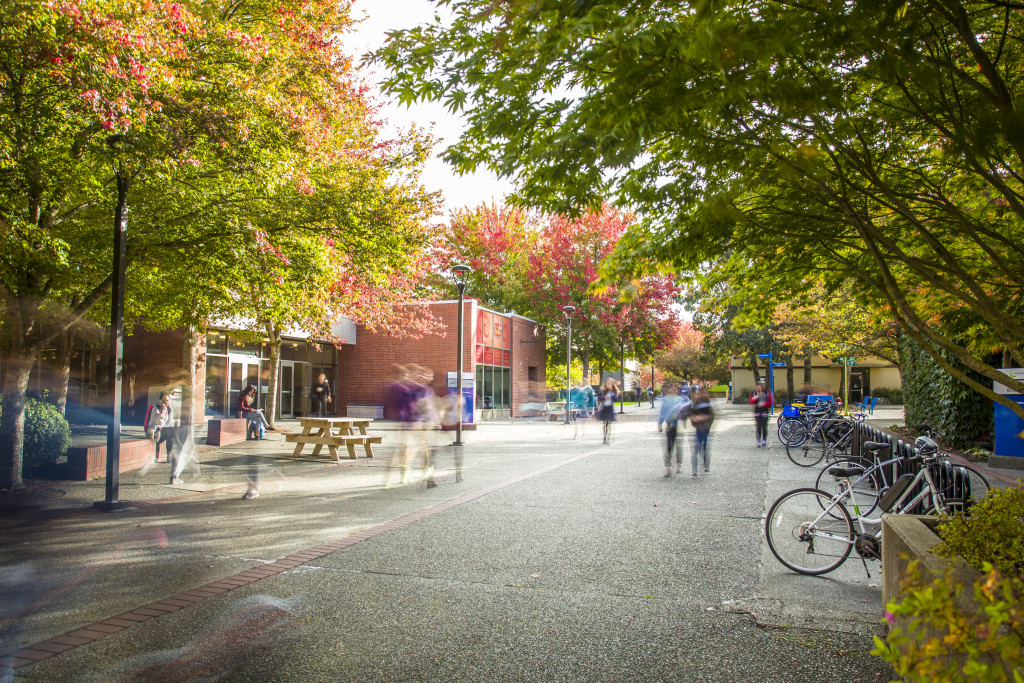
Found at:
[226, 431]
[333, 442]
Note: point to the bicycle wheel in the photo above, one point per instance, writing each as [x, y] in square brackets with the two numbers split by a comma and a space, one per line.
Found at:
[792, 432]
[803, 537]
[968, 486]
[808, 453]
[865, 488]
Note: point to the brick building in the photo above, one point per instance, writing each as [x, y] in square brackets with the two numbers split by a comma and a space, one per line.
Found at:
[503, 354]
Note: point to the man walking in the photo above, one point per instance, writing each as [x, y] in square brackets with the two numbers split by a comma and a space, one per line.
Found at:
[669, 416]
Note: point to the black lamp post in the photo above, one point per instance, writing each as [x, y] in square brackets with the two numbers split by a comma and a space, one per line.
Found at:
[461, 271]
[568, 310]
[622, 374]
[116, 333]
[652, 385]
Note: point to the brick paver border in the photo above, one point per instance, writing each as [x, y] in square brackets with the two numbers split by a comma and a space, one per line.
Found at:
[154, 610]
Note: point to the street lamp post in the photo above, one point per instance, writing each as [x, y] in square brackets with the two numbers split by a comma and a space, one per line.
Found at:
[461, 271]
[111, 502]
[652, 385]
[622, 374]
[568, 310]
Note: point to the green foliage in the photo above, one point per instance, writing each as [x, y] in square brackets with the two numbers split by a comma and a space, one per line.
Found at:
[993, 533]
[893, 396]
[934, 398]
[47, 433]
[939, 634]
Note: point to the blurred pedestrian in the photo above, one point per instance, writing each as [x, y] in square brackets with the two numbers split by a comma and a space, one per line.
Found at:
[762, 400]
[321, 394]
[609, 394]
[669, 416]
[701, 415]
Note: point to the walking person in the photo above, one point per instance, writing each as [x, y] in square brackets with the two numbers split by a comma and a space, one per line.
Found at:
[321, 393]
[669, 416]
[609, 395]
[702, 415]
[762, 401]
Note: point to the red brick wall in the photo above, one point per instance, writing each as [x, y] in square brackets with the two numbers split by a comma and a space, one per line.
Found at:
[366, 369]
[527, 350]
[88, 462]
[157, 359]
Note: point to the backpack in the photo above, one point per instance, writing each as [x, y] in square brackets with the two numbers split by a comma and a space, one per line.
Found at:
[155, 408]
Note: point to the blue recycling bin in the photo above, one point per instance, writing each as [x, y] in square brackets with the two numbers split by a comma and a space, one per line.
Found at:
[1009, 429]
[468, 399]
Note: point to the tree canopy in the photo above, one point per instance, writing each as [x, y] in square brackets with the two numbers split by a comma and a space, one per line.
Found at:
[770, 146]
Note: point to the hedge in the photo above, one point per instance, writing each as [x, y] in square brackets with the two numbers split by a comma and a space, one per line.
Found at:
[47, 433]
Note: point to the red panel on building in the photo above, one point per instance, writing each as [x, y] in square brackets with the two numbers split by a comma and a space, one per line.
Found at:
[507, 360]
[488, 355]
[488, 328]
[506, 335]
[479, 354]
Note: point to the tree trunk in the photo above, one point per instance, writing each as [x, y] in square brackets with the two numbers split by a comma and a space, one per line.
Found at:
[12, 419]
[1007, 358]
[274, 335]
[65, 346]
[585, 358]
[192, 359]
[808, 354]
[790, 389]
[600, 372]
[752, 358]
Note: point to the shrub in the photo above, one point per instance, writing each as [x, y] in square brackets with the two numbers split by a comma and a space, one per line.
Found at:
[948, 637]
[47, 433]
[993, 533]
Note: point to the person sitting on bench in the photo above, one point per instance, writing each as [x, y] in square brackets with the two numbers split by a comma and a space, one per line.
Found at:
[253, 415]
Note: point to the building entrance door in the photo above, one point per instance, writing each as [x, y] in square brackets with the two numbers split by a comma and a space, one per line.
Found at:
[244, 370]
[856, 387]
[286, 380]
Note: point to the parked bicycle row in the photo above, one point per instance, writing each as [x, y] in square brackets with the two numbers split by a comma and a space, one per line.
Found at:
[814, 530]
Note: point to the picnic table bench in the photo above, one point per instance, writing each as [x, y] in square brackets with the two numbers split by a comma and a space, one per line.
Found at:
[334, 432]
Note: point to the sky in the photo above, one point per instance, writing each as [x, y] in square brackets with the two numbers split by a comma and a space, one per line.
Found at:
[380, 17]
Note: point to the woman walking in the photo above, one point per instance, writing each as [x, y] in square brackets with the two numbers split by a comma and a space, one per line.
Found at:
[762, 401]
[701, 416]
[608, 397]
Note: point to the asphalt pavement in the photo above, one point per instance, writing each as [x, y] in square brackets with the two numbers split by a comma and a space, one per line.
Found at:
[556, 558]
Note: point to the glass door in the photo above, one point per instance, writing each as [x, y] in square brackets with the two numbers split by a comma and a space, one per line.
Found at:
[286, 382]
[243, 372]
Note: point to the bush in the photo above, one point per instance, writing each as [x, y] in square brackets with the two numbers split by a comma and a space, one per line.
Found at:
[47, 433]
[894, 396]
[948, 637]
[993, 533]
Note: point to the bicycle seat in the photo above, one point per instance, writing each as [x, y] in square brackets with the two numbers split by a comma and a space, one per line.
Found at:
[846, 472]
[875, 445]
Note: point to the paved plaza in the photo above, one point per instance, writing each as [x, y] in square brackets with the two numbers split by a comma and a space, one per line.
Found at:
[556, 559]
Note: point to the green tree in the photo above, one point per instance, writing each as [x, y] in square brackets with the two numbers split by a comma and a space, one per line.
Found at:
[163, 97]
[772, 146]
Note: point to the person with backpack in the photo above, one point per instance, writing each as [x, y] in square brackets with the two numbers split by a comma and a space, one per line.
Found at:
[609, 394]
[669, 416]
[762, 400]
[257, 420]
[701, 415]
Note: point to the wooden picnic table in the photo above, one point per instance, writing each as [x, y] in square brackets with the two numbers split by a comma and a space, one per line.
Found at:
[334, 432]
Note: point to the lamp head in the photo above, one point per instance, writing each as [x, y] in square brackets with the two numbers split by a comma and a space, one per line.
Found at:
[461, 271]
[568, 310]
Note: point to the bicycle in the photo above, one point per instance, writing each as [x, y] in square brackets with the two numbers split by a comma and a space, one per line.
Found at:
[959, 483]
[794, 429]
[830, 436]
[812, 532]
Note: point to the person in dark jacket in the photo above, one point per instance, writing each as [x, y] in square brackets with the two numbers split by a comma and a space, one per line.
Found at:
[762, 401]
[321, 393]
[702, 415]
[609, 395]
